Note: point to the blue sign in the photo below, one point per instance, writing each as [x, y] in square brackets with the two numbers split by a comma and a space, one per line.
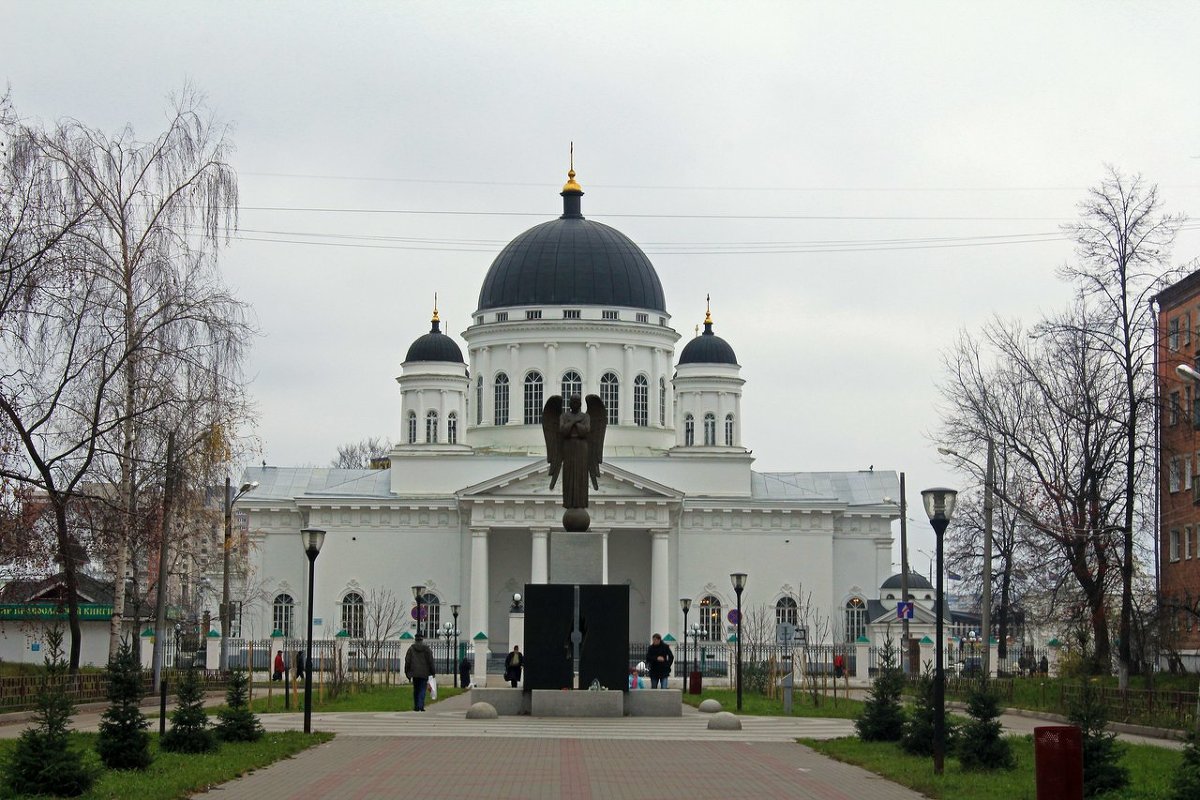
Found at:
[904, 609]
[732, 616]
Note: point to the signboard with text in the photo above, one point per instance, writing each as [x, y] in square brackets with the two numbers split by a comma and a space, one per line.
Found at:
[29, 611]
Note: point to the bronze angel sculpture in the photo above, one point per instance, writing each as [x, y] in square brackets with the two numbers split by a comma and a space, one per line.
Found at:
[574, 446]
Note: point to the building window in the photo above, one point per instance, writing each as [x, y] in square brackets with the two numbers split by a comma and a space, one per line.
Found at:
[1187, 329]
[572, 384]
[1173, 409]
[1174, 480]
[786, 612]
[1186, 468]
[729, 430]
[856, 619]
[283, 610]
[570, 313]
[452, 428]
[479, 400]
[431, 614]
[501, 398]
[533, 398]
[662, 402]
[1173, 333]
[533, 314]
[1174, 548]
[1187, 542]
[431, 425]
[641, 317]
[689, 430]
[710, 429]
[710, 619]
[501, 316]
[606, 314]
[353, 615]
[479, 320]
[610, 392]
[412, 427]
[641, 401]
[662, 321]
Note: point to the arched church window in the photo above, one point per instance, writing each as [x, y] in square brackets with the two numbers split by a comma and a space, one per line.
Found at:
[856, 618]
[710, 429]
[610, 393]
[431, 613]
[662, 402]
[283, 610]
[533, 398]
[641, 401]
[431, 426]
[412, 427]
[452, 428]
[786, 611]
[689, 430]
[478, 400]
[710, 618]
[729, 430]
[353, 615]
[501, 398]
[572, 384]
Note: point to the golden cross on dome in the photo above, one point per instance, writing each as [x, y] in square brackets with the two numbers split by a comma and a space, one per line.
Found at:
[435, 312]
[708, 309]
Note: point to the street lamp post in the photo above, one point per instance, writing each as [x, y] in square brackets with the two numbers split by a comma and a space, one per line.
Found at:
[939, 505]
[989, 505]
[739, 584]
[685, 603]
[449, 629]
[225, 610]
[312, 539]
[696, 648]
[418, 595]
[454, 609]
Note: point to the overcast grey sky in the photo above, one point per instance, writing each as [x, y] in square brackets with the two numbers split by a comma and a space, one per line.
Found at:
[852, 182]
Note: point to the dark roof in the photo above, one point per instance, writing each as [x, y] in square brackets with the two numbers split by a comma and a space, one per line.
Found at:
[915, 581]
[53, 588]
[707, 348]
[572, 261]
[434, 346]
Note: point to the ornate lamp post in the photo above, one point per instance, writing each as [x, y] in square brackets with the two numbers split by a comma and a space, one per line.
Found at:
[449, 630]
[312, 539]
[739, 584]
[939, 505]
[696, 647]
[419, 595]
[454, 609]
[225, 610]
[685, 604]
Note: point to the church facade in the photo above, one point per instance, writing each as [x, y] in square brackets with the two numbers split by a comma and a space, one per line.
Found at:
[464, 509]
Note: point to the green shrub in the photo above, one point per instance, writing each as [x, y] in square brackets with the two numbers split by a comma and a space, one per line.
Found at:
[1102, 771]
[979, 743]
[1186, 784]
[882, 718]
[237, 723]
[123, 742]
[189, 731]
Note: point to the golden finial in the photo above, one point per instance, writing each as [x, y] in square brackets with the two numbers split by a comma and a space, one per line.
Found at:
[708, 309]
[435, 313]
[571, 185]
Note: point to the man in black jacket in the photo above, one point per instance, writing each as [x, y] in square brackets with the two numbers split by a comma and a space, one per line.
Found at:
[659, 658]
[418, 666]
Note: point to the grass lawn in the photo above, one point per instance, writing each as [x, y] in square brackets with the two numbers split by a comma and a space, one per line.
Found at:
[175, 775]
[758, 705]
[1150, 770]
[359, 698]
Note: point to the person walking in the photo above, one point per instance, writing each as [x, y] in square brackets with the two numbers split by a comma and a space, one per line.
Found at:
[464, 673]
[512, 666]
[280, 666]
[418, 667]
[660, 658]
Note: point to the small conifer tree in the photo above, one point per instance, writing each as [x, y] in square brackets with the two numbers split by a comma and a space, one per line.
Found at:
[980, 745]
[237, 723]
[43, 761]
[917, 735]
[123, 742]
[189, 731]
[1186, 784]
[882, 717]
[1102, 771]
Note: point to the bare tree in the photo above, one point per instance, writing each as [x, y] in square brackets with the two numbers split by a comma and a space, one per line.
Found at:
[361, 454]
[383, 619]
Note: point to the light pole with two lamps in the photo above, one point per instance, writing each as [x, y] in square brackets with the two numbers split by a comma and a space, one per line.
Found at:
[939, 505]
[448, 628]
[738, 579]
[226, 615]
[454, 609]
[312, 538]
[685, 603]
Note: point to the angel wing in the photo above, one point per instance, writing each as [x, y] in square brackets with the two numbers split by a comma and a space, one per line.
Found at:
[599, 419]
[550, 415]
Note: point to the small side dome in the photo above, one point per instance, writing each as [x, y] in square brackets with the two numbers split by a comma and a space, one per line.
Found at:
[708, 348]
[435, 346]
[915, 581]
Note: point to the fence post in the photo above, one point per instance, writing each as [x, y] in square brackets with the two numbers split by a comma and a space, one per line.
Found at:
[862, 659]
[212, 650]
[481, 654]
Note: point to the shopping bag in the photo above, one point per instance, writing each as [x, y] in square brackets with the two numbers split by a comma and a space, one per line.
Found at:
[432, 688]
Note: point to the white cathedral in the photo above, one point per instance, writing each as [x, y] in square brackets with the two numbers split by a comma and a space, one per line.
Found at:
[464, 509]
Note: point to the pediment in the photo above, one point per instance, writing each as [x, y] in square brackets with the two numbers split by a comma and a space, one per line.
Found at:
[533, 482]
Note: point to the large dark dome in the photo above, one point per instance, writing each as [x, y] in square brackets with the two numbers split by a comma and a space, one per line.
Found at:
[707, 348]
[572, 261]
[434, 346]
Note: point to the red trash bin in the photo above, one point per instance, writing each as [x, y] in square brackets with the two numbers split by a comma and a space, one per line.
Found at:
[694, 682]
[1058, 759]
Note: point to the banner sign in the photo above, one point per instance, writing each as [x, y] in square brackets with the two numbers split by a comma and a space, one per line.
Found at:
[28, 611]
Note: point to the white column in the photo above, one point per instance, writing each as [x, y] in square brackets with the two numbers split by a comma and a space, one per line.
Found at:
[485, 369]
[442, 416]
[670, 389]
[626, 394]
[660, 614]
[479, 582]
[516, 386]
[540, 568]
[603, 533]
[737, 420]
[553, 384]
[591, 381]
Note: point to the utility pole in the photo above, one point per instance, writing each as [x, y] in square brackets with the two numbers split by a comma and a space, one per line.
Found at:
[904, 647]
[985, 612]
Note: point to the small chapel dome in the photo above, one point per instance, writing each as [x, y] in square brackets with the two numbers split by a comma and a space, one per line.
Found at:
[708, 348]
[435, 346]
[915, 581]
